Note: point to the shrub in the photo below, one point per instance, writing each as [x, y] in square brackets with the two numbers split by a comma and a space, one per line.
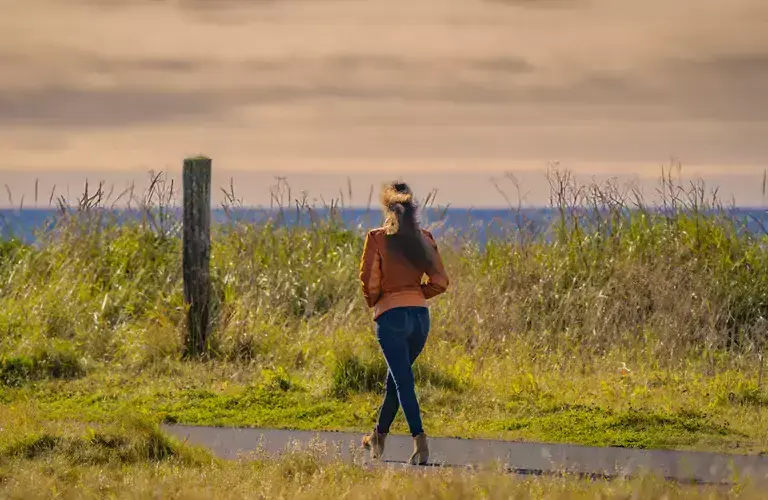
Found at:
[57, 360]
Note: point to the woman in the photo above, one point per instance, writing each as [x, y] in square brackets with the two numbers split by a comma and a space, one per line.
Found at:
[401, 269]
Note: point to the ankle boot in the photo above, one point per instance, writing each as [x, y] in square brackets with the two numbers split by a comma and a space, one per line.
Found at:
[420, 450]
[375, 442]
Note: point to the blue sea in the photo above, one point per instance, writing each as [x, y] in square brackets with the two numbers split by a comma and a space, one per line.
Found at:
[477, 225]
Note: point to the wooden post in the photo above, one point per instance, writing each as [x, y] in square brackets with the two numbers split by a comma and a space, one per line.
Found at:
[197, 252]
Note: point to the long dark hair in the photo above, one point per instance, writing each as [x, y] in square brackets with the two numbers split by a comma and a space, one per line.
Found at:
[402, 226]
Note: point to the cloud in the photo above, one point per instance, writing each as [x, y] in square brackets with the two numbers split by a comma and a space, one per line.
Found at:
[540, 4]
[340, 65]
[60, 106]
[745, 65]
[153, 90]
[550, 67]
[723, 88]
[509, 64]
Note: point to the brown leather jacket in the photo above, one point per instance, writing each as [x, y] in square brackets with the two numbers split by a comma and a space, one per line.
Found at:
[390, 281]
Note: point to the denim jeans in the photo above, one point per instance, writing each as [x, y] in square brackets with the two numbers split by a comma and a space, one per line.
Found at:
[402, 333]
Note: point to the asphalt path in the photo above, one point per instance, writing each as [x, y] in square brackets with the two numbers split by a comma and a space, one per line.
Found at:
[516, 457]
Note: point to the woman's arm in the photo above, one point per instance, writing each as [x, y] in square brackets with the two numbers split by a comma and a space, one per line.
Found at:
[438, 279]
[370, 271]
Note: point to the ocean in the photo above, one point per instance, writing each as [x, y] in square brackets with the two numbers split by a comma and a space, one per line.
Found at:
[476, 225]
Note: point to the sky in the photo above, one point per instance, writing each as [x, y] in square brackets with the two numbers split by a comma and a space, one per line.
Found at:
[447, 94]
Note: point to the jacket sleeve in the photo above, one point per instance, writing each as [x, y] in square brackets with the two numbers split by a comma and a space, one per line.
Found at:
[437, 279]
[370, 271]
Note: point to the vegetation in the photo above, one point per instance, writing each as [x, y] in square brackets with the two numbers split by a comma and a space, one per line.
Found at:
[132, 459]
[620, 324]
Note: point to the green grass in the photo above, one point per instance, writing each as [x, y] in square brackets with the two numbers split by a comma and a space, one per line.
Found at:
[602, 409]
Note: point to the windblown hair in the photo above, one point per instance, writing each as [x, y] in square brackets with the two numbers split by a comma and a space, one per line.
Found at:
[401, 225]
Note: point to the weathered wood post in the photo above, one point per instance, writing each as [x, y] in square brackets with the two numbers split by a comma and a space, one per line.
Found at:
[197, 252]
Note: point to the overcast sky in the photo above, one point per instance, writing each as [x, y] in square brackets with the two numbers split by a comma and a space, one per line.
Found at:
[444, 92]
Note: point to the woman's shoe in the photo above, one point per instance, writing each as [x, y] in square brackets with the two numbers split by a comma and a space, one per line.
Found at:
[375, 442]
[420, 450]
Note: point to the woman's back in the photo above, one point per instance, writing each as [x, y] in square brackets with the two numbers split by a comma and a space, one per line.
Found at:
[392, 280]
[397, 271]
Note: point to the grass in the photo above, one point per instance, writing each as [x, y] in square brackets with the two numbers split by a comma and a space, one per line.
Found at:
[602, 409]
[621, 324]
[131, 458]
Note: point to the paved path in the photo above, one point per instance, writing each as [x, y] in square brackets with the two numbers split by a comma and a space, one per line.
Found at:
[531, 458]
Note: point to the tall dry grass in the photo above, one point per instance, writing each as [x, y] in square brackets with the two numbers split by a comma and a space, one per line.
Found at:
[666, 282]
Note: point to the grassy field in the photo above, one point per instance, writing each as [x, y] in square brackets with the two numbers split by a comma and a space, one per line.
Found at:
[530, 342]
[130, 458]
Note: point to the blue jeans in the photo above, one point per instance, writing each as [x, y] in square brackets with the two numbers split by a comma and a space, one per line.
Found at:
[402, 333]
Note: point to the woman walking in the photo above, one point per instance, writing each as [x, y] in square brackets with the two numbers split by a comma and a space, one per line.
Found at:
[401, 269]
